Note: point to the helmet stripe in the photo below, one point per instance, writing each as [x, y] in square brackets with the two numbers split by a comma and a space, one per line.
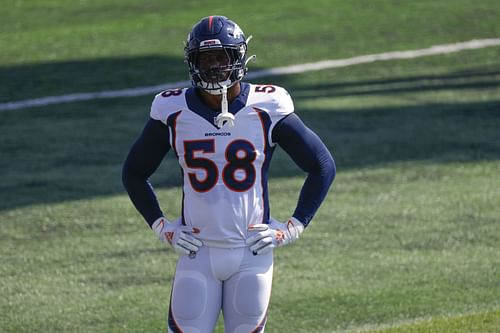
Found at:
[210, 19]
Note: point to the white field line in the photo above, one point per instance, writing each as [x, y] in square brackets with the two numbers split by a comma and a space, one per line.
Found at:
[416, 321]
[293, 69]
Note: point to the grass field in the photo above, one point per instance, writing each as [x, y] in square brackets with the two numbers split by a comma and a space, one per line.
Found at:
[408, 240]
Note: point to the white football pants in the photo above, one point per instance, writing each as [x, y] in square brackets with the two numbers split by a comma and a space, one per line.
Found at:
[232, 280]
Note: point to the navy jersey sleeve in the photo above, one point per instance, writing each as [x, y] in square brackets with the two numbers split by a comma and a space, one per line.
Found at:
[142, 161]
[312, 156]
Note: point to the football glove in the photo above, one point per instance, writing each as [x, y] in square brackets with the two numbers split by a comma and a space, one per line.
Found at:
[274, 234]
[177, 235]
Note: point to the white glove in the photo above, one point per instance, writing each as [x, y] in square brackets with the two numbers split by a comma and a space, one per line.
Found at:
[177, 235]
[273, 235]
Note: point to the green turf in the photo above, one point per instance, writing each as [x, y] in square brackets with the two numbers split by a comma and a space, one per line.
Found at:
[58, 47]
[407, 240]
[485, 322]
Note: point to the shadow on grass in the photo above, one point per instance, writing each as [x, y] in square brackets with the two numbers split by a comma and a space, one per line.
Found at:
[60, 78]
[75, 151]
[478, 78]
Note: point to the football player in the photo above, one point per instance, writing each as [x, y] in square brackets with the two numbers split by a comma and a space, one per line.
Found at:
[223, 133]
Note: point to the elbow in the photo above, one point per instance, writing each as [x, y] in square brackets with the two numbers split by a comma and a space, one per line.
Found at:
[132, 177]
[125, 175]
[324, 167]
[327, 167]
[333, 170]
[128, 175]
[330, 170]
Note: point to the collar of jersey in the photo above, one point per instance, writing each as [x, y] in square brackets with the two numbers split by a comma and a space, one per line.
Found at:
[196, 105]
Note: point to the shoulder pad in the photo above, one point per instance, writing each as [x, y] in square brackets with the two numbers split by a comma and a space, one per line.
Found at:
[274, 99]
[166, 103]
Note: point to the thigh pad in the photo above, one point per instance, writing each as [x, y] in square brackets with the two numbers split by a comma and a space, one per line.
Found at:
[189, 295]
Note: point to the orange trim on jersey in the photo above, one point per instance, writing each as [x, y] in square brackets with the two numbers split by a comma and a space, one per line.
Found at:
[266, 145]
[172, 124]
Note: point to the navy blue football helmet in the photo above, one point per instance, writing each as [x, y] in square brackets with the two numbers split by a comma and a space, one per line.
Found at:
[210, 34]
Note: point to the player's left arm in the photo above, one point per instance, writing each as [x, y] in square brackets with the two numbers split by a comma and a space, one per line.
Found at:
[312, 156]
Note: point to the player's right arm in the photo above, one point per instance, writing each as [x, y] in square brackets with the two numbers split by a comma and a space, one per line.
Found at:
[147, 153]
[142, 161]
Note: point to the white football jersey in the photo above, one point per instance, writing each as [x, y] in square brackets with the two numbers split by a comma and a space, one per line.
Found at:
[224, 169]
